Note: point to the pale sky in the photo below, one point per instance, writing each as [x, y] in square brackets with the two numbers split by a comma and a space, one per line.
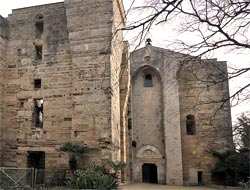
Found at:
[160, 36]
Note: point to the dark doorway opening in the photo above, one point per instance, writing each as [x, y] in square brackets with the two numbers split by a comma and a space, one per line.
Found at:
[36, 160]
[200, 183]
[149, 173]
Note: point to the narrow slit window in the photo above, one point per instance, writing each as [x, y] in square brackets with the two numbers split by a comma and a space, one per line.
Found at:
[38, 113]
[39, 25]
[39, 52]
[37, 83]
[129, 123]
[190, 125]
[148, 81]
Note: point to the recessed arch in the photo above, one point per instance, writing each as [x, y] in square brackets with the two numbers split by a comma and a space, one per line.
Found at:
[142, 150]
[39, 25]
[148, 121]
[39, 16]
[147, 69]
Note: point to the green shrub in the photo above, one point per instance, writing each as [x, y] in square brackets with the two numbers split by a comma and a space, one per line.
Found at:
[93, 178]
[99, 169]
[232, 167]
[117, 166]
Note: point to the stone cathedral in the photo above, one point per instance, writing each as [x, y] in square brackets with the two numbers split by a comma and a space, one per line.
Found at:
[66, 74]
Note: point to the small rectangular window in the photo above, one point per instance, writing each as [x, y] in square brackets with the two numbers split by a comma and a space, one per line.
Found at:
[148, 81]
[39, 52]
[129, 123]
[37, 83]
[38, 113]
[67, 119]
[190, 125]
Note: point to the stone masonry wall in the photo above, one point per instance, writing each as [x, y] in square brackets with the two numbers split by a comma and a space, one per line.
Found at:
[203, 88]
[55, 71]
[96, 60]
[90, 49]
[190, 87]
[3, 44]
[117, 50]
[70, 57]
[77, 61]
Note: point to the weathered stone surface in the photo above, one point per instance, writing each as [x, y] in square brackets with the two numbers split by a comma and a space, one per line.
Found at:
[79, 68]
[182, 85]
[203, 92]
[3, 68]
[66, 75]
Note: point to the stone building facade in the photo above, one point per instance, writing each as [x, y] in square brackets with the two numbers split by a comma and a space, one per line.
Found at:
[61, 76]
[178, 113]
[66, 75]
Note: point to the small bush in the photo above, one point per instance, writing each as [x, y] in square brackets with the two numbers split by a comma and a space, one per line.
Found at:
[232, 167]
[94, 178]
[117, 166]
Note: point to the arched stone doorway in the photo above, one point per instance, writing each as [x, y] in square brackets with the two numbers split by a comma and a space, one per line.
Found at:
[149, 165]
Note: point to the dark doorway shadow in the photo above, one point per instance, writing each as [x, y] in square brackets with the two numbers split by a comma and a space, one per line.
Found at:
[200, 183]
[36, 160]
[149, 173]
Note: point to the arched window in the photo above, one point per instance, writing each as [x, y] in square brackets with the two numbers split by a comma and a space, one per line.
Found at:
[148, 81]
[39, 22]
[190, 125]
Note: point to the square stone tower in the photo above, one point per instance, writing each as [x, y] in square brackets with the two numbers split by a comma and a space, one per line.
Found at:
[66, 79]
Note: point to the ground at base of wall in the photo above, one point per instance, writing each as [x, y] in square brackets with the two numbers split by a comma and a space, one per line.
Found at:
[144, 186]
